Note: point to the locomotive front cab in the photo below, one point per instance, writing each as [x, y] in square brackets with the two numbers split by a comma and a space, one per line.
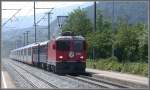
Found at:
[71, 50]
[71, 54]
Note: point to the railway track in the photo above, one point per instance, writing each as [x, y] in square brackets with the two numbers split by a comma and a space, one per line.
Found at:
[83, 78]
[37, 77]
[106, 81]
[86, 81]
[68, 83]
[98, 82]
[32, 84]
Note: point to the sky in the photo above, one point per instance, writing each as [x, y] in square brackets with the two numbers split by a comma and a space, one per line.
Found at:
[27, 7]
[27, 10]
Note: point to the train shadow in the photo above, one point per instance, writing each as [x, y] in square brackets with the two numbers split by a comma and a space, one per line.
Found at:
[76, 74]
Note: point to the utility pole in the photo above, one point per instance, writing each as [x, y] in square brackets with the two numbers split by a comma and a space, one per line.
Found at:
[94, 30]
[34, 22]
[149, 39]
[19, 41]
[49, 14]
[94, 16]
[41, 19]
[16, 44]
[27, 32]
[113, 29]
[24, 42]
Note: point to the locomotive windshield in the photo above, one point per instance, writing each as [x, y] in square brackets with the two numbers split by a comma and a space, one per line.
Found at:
[63, 45]
[79, 46]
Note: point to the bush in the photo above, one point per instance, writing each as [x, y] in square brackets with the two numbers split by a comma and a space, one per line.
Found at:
[113, 65]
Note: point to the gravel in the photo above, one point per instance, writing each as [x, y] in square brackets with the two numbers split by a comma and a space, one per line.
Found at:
[20, 82]
[56, 80]
[31, 78]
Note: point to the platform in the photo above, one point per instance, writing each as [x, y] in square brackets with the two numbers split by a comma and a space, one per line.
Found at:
[123, 78]
[6, 80]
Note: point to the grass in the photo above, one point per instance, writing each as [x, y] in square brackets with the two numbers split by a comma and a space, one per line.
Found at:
[113, 65]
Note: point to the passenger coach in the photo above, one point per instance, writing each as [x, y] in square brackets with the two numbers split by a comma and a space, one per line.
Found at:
[64, 54]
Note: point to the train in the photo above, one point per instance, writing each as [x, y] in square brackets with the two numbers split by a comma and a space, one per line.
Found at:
[62, 55]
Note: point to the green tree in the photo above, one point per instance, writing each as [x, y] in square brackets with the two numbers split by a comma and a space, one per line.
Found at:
[101, 40]
[143, 41]
[102, 23]
[78, 23]
[130, 41]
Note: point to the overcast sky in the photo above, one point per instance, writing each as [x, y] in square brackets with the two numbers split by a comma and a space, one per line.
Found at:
[27, 7]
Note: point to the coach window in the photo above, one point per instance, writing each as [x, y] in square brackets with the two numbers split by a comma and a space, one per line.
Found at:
[29, 51]
[35, 50]
[43, 49]
[40, 49]
[21, 52]
[24, 52]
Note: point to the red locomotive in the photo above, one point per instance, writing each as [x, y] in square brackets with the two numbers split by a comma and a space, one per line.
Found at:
[64, 54]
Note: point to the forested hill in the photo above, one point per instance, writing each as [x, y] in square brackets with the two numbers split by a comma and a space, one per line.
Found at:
[135, 11]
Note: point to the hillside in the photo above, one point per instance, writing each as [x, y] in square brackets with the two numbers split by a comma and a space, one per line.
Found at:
[135, 11]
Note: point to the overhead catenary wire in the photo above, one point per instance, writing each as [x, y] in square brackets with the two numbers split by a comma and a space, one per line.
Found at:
[35, 23]
[44, 15]
[18, 10]
[22, 8]
[9, 9]
[11, 17]
[41, 19]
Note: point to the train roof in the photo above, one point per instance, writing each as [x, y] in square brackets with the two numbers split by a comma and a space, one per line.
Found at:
[70, 37]
[43, 43]
[27, 46]
[32, 45]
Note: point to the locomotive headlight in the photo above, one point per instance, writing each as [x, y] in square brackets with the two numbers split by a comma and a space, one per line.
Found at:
[81, 57]
[60, 57]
